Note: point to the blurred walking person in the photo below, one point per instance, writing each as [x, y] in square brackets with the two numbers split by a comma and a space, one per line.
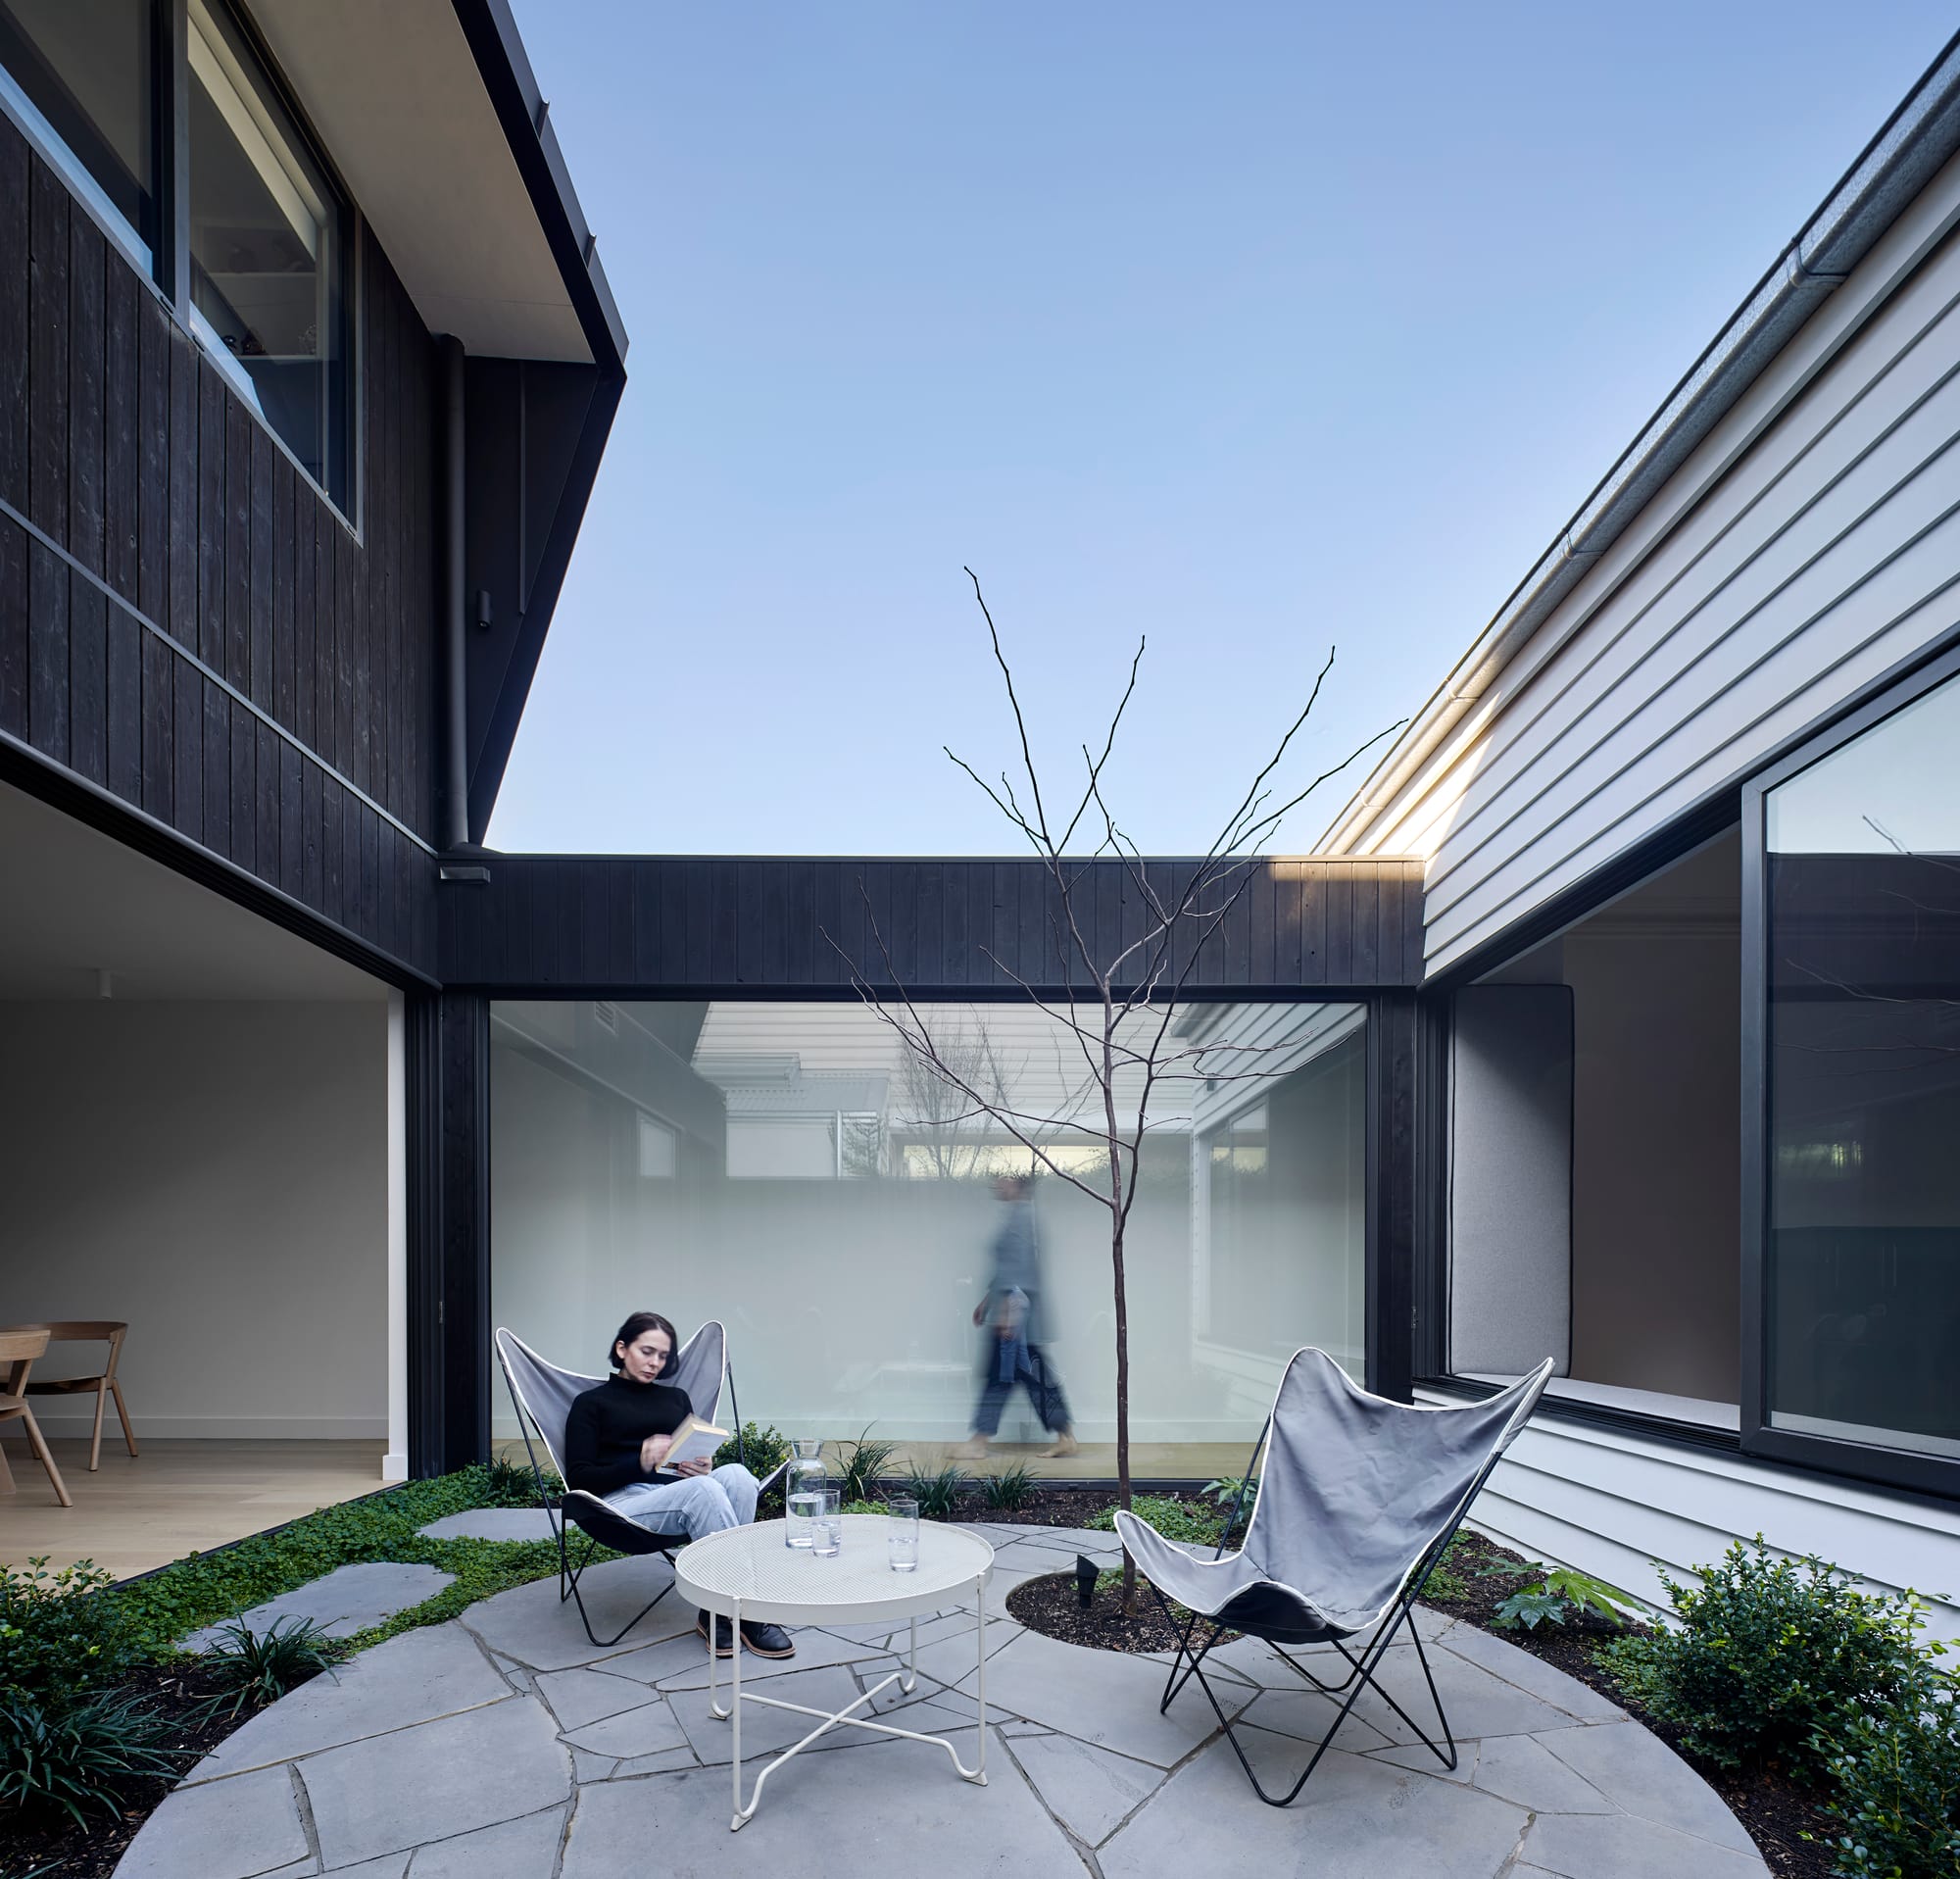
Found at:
[1012, 1349]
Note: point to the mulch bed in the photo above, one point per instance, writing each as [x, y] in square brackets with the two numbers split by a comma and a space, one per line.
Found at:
[1052, 1605]
[1776, 1815]
[1053, 1507]
[55, 1848]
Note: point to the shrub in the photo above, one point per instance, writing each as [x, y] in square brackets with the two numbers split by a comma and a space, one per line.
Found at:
[1898, 1780]
[58, 1638]
[1185, 1521]
[864, 1507]
[864, 1464]
[937, 1493]
[1011, 1489]
[1770, 1653]
[80, 1758]
[766, 1448]
[260, 1667]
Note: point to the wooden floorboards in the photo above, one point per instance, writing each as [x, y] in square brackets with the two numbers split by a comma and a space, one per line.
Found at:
[176, 1497]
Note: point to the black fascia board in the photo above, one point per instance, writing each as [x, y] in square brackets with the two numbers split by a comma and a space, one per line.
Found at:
[525, 115]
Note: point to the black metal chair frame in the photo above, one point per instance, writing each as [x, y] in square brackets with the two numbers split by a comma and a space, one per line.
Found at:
[1360, 1669]
[656, 1545]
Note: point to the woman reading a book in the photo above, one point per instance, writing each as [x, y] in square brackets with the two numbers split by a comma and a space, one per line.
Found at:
[616, 1440]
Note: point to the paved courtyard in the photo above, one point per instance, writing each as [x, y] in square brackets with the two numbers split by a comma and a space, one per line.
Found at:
[504, 1746]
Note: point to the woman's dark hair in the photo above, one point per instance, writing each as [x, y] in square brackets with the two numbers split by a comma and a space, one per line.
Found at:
[635, 1329]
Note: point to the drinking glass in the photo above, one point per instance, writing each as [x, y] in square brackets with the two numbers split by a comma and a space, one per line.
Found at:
[827, 1527]
[903, 1541]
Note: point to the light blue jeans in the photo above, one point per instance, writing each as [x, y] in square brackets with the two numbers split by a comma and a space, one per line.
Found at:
[696, 1505]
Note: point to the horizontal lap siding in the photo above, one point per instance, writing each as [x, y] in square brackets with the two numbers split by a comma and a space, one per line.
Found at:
[1723, 622]
[621, 924]
[188, 536]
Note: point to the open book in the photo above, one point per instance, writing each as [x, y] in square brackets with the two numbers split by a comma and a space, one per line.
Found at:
[693, 1441]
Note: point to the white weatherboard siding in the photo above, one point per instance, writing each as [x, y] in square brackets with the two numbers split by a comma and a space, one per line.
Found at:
[1811, 542]
[1616, 1505]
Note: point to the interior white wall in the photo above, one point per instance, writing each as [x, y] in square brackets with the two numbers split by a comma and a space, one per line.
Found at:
[217, 1174]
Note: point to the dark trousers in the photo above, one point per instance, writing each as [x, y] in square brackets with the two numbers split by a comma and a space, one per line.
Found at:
[1033, 1376]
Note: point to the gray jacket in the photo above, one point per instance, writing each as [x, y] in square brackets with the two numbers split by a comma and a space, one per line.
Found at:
[1016, 1254]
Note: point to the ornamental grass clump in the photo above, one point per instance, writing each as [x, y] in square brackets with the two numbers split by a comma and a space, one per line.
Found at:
[1772, 1654]
[257, 1667]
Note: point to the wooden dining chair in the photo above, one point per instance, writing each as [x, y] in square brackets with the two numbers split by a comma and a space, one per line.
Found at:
[89, 1332]
[17, 1351]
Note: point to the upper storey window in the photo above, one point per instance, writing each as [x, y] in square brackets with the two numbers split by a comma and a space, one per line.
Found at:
[82, 73]
[268, 247]
[255, 256]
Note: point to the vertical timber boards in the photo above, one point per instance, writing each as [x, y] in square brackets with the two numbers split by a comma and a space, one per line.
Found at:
[174, 593]
[615, 923]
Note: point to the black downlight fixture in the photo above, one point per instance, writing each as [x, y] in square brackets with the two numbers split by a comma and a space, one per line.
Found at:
[1084, 1579]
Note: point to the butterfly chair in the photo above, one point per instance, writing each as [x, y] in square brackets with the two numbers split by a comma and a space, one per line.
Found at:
[1357, 1501]
[543, 1395]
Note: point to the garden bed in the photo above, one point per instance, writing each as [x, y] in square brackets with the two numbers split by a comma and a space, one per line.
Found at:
[196, 1709]
[1477, 1578]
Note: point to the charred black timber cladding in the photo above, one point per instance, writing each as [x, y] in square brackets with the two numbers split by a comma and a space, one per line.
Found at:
[612, 926]
[187, 626]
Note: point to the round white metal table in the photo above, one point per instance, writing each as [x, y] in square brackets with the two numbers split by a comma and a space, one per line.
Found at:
[746, 1574]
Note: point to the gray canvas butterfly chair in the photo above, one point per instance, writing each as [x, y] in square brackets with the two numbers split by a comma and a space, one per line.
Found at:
[1356, 1503]
[543, 1396]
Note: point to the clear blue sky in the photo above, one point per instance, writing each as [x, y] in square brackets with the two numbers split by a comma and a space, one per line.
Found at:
[1257, 327]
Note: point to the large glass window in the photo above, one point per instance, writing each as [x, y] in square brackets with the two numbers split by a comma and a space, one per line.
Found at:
[82, 73]
[1862, 884]
[267, 246]
[791, 1170]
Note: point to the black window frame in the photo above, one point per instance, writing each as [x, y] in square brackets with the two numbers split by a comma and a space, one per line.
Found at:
[1861, 1460]
[169, 261]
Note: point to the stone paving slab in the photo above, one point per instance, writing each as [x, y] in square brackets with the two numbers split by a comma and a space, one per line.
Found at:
[420, 1747]
[436, 1780]
[816, 1826]
[1091, 1791]
[349, 1599]
[227, 1830]
[529, 1623]
[522, 1849]
[1635, 1768]
[649, 1730]
[1586, 1845]
[1361, 1819]
[492, 1523]
[411, 1678]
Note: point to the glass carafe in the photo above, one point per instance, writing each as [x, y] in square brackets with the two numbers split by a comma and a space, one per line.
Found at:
[802, 1491]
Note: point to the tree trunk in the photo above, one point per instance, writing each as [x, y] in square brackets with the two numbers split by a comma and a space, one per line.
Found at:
[1122, 1403]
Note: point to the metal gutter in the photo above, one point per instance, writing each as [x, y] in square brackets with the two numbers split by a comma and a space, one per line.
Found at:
[1919, 138]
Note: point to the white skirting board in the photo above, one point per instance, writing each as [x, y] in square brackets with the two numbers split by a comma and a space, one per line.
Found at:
[1617, 1505]
[67, 1424]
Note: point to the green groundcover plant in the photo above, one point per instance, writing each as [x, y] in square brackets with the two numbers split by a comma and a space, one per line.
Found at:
[1771, 1654]
[1190, 1522]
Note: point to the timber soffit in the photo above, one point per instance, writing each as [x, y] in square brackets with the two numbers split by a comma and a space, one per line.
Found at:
[1919, 138]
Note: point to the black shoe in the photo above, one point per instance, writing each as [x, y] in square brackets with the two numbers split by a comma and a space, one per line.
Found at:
[768, 1640]
[724, 1636]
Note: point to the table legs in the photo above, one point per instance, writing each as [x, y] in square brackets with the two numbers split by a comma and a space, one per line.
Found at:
[908, 1680]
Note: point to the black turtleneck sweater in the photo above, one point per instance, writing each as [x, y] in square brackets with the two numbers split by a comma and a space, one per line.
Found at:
[605, 1427]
